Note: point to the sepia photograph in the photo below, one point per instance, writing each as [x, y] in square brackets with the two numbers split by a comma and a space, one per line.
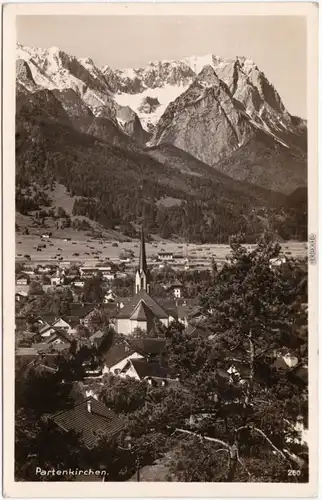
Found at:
[162, 292]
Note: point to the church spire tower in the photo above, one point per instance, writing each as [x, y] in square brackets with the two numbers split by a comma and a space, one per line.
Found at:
[142, 281]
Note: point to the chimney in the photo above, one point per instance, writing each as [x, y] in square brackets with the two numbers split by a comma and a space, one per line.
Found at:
[89, 406]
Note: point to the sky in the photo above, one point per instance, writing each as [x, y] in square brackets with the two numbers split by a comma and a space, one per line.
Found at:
[277, 44]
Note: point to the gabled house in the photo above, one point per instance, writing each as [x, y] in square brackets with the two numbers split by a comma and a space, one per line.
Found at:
[57, 336]
[89, 418]
[117, 357]
[165, 256]
[60, 323]
[140, 369]
[177, 289]
[80, 313]
[150, 349]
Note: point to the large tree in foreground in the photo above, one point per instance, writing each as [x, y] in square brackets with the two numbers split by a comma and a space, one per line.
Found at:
[237, 397]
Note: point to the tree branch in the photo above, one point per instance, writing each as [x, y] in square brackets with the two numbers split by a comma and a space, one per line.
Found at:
[285, 454]
[206, 438]
[251, 428]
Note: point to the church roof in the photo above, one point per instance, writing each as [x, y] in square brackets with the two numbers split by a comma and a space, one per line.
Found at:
[141, 312]
[154, 307]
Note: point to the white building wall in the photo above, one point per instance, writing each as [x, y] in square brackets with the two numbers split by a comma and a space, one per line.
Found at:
[121, 364]
[130, 373]
[138, 324]
[123, 326]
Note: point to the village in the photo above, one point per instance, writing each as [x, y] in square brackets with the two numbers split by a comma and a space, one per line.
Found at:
[121, 321]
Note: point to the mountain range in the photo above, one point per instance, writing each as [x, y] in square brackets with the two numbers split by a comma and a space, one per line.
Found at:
[209, 132]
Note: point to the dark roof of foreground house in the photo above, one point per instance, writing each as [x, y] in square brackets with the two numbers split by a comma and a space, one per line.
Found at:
[80, 310]
[147, 369]
[89, 418]
[147, 346]
[198, 330]
[116, 353]
[43, 347]
[152, 305]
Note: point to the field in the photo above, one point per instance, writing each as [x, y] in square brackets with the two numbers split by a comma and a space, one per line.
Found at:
[91, 251]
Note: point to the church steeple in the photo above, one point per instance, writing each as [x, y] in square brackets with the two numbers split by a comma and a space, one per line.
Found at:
[142, 261]
[142, 272]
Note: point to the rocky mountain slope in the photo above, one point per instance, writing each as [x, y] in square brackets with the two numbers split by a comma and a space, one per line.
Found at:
[80, 86]
[222, 123]
[71, 130]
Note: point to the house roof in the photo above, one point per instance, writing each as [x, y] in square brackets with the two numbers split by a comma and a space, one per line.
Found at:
[80, 310]
[47, 318]
[57, 334]
[44, 347]
[146, 369]
[116, 353]
[26, 351]
[152, 304]
[22, 277]
[198, 330]
[110, 308]
[148, 346]
[176, 283]
[89, 423]
[41, 347]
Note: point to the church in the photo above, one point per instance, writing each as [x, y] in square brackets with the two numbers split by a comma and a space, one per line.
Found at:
[142, 311]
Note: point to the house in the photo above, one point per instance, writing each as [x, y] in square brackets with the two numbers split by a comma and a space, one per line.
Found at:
[140, 369]
[198, 330]
[165, 256]
[56, 280]
[78, 282]
[177, 289]
[110, 296]
[80, 313]
[21, 296]
[278, 261]
[89, 418]
[149, 348]
[89, 272]
[56, 336]
[22, 280]
[29, 272]
[58, 323]
[121, 275]
[86, 316]
[50, 348]
[117, 357]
